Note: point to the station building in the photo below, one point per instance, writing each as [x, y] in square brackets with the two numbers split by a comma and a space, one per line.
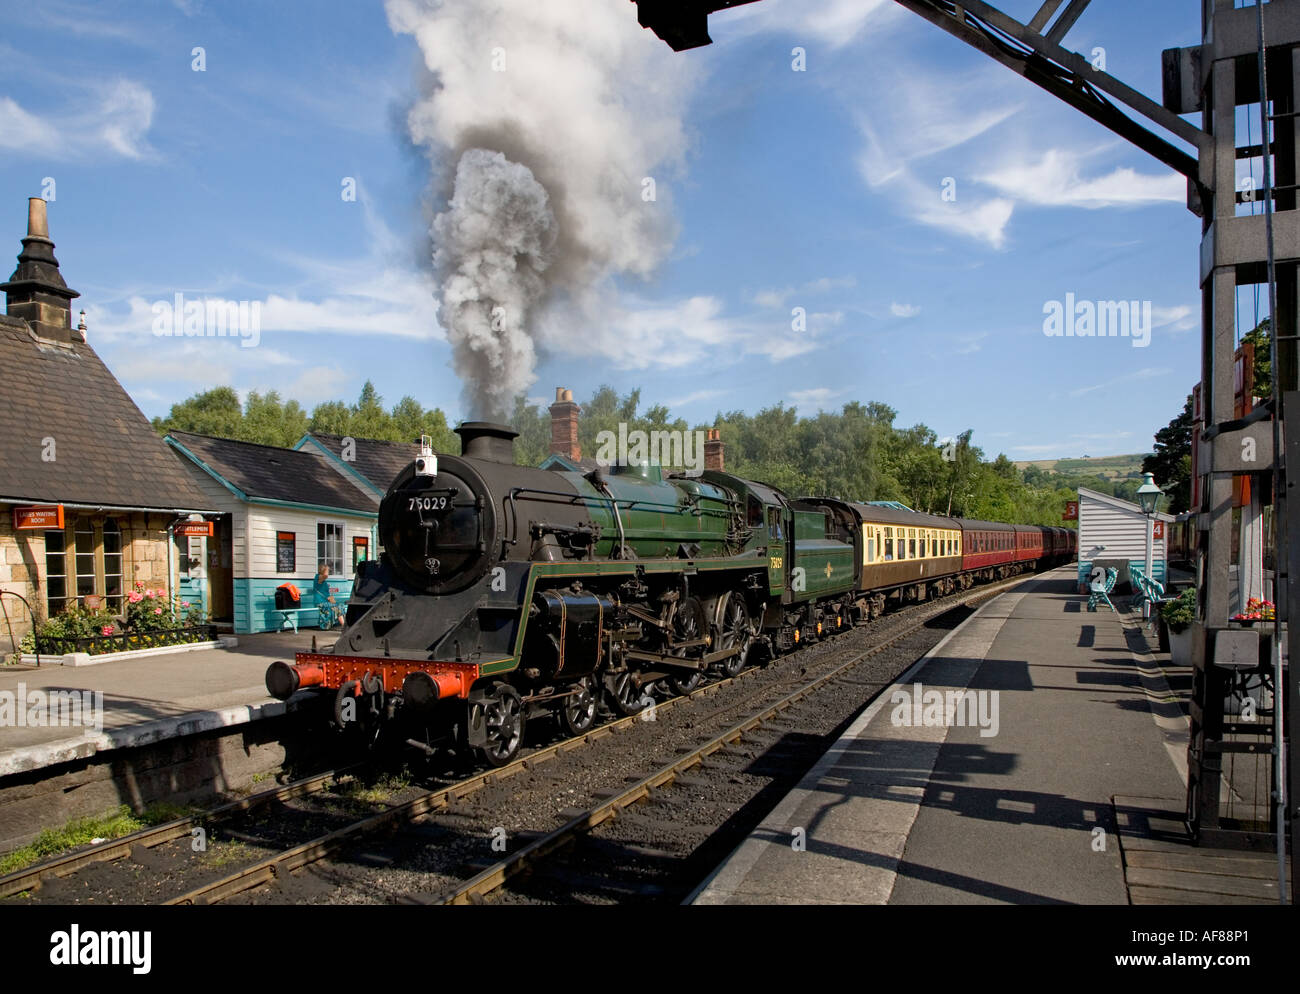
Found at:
[1112, 532]
[280, 513]
[91, 499]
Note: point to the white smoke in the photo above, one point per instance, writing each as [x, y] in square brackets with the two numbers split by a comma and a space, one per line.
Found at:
[493, 245]
[564, 120]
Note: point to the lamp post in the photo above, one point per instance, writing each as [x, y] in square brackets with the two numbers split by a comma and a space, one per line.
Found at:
[1148, 494]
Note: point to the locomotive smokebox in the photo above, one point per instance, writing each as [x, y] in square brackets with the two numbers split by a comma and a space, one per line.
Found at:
[487, 441]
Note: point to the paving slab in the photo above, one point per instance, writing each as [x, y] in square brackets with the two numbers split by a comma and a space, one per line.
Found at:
[1015, 807]
[144, 700]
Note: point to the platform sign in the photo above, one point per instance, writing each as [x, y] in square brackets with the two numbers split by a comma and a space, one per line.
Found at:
[1071, 511]
[1158, 530]
[194, 529]
[39, 516]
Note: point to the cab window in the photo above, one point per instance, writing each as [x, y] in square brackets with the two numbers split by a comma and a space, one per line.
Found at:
[755, 512]
[774, 523]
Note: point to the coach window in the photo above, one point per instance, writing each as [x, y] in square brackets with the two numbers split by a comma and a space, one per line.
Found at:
[889, 544]
[871, 550]
[911, 543]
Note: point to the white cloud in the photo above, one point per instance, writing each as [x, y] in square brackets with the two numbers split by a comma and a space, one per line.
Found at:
[1055, 180]
[927, 118]
[774, 298]
[771, 298]
[834, 23]
[693, 398]
[1146, 373]
[117, 124]
[1051, 447]
[904, 310]
[1181, 318]
[814, 396]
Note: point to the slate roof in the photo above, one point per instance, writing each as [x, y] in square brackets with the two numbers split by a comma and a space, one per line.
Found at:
[379, 462]
[296, 475]
[106, 453]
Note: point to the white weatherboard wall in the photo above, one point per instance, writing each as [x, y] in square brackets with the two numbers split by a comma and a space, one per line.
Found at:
[1121, 528]
[255, 602]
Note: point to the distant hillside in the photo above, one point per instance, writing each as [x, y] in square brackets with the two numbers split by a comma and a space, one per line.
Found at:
[1110, 467]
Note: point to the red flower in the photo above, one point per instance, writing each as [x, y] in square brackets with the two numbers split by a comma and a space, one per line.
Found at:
[107, 630]
[157, 610]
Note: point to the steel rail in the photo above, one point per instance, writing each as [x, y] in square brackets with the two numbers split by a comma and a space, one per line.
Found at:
[474, 889]
[266, 870]
[31, 877]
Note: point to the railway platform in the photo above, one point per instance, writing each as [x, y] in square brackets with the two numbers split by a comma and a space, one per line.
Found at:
[1060, 779]
[145, 700]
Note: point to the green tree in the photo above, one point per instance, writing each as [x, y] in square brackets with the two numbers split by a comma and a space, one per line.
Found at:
[1171, 462]
[213, 412]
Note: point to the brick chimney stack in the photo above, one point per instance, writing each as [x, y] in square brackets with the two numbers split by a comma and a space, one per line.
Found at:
[36, 291]
[564, 426]
[713, 450]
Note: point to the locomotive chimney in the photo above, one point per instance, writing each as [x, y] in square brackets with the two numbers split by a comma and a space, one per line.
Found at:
[564, 426]
[487, 441]
[713, 450]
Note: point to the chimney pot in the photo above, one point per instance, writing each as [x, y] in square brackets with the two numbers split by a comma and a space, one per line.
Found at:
[37, 224]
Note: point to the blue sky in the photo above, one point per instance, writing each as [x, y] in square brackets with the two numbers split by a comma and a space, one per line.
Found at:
[819, 190]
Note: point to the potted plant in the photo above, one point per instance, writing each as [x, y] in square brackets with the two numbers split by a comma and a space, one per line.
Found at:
[1178, 615]
[1256, 610]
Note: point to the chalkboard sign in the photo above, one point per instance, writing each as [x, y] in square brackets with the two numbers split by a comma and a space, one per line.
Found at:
[286, 552]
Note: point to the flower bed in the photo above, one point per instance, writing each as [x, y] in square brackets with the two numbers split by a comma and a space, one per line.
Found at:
[150, 620]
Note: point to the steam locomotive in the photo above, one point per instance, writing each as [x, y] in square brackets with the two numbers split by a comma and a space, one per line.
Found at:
[506, 592]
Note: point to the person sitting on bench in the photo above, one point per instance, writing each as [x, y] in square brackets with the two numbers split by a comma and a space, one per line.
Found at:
[330, 615]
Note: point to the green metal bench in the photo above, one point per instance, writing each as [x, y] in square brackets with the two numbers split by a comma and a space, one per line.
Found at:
[1101, 589]
[1146, 591]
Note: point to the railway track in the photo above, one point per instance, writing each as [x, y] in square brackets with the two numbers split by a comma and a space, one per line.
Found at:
[284, 863]
[32, 877]
[475, 889]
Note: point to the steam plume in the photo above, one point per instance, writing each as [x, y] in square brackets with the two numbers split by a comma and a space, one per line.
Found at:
[556, 113]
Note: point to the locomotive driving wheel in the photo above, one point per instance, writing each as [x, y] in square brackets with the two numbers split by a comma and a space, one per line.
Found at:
[626, 696]
[734, 632]
[689, 624]
[503, 722]
[620, 687]
[578, 710]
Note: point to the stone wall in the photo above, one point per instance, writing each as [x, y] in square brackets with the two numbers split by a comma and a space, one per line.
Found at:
[22, 563]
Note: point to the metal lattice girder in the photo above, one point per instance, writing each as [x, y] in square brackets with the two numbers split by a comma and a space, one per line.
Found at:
[1065, 74]
[1022, 48]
